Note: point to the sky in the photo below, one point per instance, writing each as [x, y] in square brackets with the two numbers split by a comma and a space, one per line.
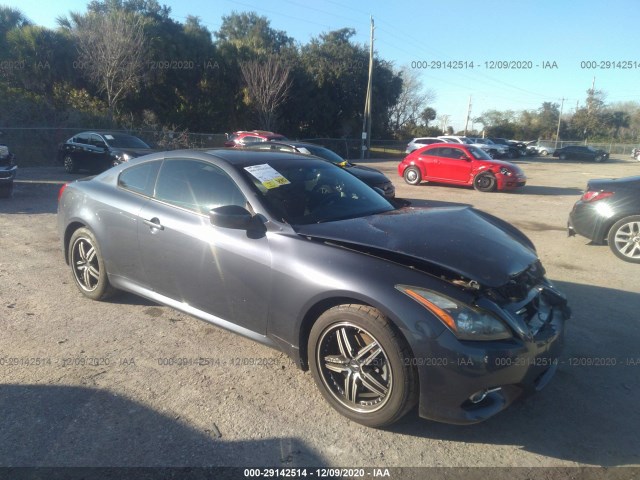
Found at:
[493, 52]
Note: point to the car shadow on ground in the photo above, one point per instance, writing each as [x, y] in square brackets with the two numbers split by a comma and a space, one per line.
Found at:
[589, 413]
[48, 426]
[543, 190]
[32, 197]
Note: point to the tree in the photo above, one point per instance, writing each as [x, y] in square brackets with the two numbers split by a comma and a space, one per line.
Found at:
[405, 113]
[252, 35]
[111, 50]
[267, 87]
[590, 120]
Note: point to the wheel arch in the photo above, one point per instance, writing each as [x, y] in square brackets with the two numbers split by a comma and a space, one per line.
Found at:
[321, 306]
[611, 221]
[68, 233]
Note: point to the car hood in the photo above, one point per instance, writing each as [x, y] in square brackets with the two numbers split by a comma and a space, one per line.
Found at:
[459, 239]
[367, 175]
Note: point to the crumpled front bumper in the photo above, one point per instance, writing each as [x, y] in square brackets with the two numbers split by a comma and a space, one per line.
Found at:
[469, 382]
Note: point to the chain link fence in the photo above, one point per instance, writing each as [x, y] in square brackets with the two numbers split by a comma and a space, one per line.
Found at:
[39, 146]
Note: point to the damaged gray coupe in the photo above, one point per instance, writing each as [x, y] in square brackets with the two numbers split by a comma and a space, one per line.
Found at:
[444, 307]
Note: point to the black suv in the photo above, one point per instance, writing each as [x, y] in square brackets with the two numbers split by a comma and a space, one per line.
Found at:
[98, 151]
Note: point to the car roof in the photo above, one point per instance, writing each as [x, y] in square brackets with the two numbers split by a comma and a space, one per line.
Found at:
[246, 157]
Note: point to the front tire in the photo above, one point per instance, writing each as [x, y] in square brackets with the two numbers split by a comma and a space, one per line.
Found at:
[70, 165]
[544, 153]
[485, 182]
[362, 366]
[563, 156]
[87, 265]
[412, 175]
[624, 239]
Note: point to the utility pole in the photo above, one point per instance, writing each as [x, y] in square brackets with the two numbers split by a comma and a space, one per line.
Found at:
[466, 122]
[591, 93]
[559, 117]
[366, 121]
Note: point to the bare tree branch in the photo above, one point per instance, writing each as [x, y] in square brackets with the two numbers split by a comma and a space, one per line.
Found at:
[111, 49]
[268, 86]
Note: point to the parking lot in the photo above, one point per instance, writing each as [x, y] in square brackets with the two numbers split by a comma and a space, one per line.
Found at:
[130, 383]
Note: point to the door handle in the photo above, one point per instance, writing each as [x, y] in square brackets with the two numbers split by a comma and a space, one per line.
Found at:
[154, 223]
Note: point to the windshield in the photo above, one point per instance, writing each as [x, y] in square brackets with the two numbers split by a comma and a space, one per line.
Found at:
[479, 154]
[322, 153]
[119, 140]
[304, 193]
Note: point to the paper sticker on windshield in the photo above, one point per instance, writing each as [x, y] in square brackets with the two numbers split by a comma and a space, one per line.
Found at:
[267, 175]
[109, 137]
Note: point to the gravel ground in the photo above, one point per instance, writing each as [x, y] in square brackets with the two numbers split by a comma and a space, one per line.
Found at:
[115, 383]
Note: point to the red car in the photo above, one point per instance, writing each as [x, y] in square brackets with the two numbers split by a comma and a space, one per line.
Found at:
[460, 165]
[243, 138]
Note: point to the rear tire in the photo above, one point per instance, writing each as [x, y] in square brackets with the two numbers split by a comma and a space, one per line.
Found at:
[563, 156]
[412, 175]
[362, 365]
[87, 265]
[544, 153]
[624, 239]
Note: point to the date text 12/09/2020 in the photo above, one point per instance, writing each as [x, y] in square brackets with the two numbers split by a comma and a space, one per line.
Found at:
[487, 65]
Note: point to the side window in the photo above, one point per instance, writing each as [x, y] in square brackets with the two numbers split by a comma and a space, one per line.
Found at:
[457, 154]
[197, 186]
[435, 152]
[140, 178]
[96, 141]
[84, 139]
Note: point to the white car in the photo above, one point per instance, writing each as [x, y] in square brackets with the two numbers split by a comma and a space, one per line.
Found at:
[420, 142]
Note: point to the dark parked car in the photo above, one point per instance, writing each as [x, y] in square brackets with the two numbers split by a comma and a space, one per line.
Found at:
[370, 176]
[445, 307]
[609, 211]
[97, 151]
[579, 152]
[459, 164]
[8, 170]
[516, 149]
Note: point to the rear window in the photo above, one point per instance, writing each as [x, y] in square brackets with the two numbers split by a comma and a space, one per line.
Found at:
[140, 178]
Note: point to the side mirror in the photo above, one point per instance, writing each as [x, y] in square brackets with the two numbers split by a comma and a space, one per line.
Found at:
[231, 216]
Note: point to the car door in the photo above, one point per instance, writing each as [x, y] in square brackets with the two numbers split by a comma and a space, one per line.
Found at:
[223, 272]
[451, 165]
[98, 153]
[80, 150]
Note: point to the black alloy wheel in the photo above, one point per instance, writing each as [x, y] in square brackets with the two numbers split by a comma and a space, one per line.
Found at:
[70, 164]
[485, 182]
